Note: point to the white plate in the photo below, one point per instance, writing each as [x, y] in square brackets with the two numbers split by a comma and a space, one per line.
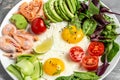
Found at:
[6, 61]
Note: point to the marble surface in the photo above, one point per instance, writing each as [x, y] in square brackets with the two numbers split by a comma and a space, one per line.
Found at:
[6, 5]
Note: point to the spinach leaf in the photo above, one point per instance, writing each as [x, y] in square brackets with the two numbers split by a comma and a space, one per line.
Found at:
[89, 26]
[113, 51]
[86, 75]
[92, 9]
[80, 76]
[63, 78]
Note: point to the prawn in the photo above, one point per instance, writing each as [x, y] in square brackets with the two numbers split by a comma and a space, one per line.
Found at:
[8, 44]
[16, 54]
[24, 39]
[9, 29]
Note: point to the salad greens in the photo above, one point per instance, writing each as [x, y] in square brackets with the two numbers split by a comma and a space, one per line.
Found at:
[80, 76]
[27, 67]
[99, 27]
[88, 17]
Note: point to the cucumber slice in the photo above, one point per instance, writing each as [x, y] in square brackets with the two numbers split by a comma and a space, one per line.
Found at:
[12, 68]
[47, 14]
[26, 70]
[35, 74]
[41, 69]
[52, 10]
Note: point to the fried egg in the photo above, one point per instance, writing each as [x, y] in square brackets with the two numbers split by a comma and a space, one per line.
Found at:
[59, 51]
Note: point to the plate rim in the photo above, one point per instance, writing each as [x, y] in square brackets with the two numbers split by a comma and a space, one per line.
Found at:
[15, 7]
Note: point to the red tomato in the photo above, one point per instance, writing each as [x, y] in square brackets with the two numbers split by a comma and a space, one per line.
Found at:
[76, 53]
[90, 62]
[38, 26]
[96, 49]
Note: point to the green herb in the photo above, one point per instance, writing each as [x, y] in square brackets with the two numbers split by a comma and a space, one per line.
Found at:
[76, 22]
[57, 72]
[47, 22]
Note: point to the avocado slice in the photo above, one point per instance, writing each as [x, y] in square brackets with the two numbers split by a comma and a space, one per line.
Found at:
[70, 15]
[52, 10]
[69, 6]
[73, 2]
[59, 11]
[46, 13]
[65, 9]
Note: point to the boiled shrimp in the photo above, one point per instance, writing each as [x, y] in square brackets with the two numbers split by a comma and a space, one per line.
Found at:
[8, 44]
[25, 42]
[16, 54]
[9, 29]
[25, 39]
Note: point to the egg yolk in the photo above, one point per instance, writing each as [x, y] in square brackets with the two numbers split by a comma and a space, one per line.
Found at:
[53, 66]
[72, 35]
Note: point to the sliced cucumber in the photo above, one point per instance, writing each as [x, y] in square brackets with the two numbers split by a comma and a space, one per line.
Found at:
[52, 10]
[26, 70]
[47, 14]
[36, 71]
[12, 68]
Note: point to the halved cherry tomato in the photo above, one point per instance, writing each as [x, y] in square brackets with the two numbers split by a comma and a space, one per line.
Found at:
[38, 26]
[96, 49]
[76, 53]
[90, 62]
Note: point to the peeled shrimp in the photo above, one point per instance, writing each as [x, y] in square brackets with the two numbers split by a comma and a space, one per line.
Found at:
[32, 10]
[8, 44]
[25, 39]
[16, 54]
[9, 29]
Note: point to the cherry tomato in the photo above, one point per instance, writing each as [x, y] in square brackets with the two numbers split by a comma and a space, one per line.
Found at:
[96, 49]
[76, 53]
[90, 62]
[38, 26]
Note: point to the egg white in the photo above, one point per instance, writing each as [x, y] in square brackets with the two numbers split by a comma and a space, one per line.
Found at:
[60, 50]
